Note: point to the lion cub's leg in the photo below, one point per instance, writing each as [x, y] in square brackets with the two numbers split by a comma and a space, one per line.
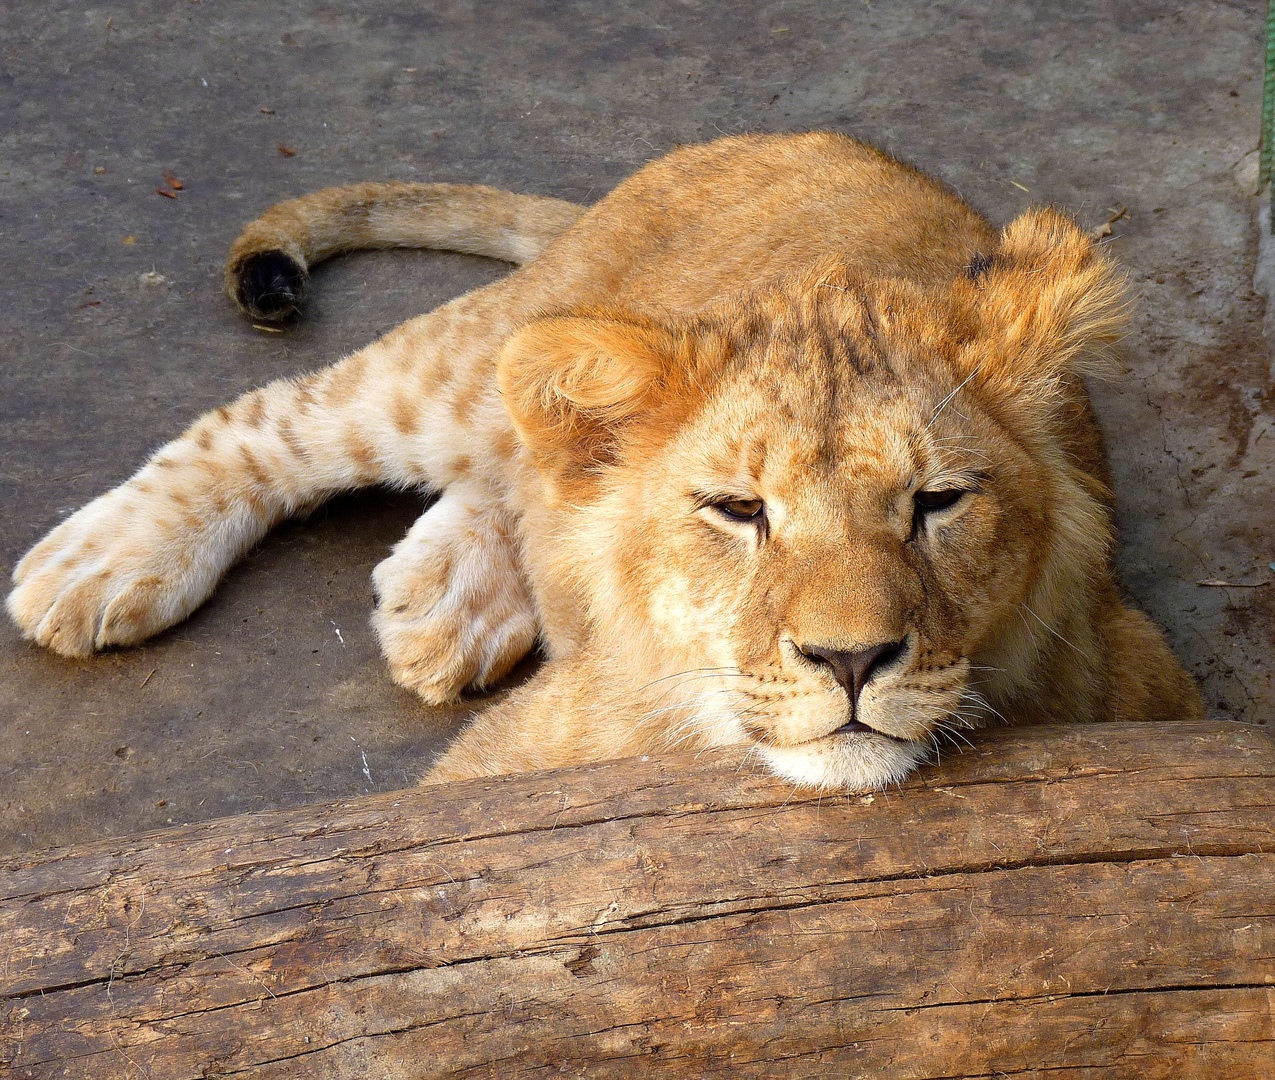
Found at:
[1146, 682]
[550, 721]
[144, 556]
[453, 611]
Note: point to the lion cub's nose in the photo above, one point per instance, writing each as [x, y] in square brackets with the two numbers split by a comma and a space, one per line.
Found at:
[853, 668]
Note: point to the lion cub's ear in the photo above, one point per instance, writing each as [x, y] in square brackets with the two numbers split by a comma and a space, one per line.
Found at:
[573, 384]
[1048, 301]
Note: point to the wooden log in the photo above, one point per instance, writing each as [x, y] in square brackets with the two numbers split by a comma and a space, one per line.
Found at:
[1082, 902]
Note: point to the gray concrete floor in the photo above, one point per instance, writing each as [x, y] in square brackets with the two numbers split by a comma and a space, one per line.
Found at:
[257, 701]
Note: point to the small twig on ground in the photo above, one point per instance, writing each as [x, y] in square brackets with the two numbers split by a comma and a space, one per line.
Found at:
[1105, 228]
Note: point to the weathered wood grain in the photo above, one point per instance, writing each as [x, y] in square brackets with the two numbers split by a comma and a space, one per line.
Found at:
[1085, 901]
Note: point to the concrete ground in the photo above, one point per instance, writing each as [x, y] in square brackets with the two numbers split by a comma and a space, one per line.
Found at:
[114, 333]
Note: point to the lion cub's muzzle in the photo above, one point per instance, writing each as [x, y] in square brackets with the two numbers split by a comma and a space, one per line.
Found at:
[854, 669]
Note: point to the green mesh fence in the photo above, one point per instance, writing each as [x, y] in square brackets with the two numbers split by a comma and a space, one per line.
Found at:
[1268, 111]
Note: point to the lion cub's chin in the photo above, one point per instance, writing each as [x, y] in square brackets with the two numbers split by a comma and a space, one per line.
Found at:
[858, 761]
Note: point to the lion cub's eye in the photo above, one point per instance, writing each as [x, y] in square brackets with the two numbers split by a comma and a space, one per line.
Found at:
[741, 509]
[937, 500]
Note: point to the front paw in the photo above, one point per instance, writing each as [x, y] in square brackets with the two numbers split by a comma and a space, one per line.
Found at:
[453, 613]
[108, 575]
[440, 656]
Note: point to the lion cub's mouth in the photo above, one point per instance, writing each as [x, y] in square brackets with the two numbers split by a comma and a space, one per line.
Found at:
[851, 727]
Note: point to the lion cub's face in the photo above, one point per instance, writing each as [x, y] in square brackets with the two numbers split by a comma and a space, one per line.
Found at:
[832, 537]
[807, 522]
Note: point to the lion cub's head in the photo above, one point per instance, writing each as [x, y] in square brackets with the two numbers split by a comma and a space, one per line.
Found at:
[825, 518]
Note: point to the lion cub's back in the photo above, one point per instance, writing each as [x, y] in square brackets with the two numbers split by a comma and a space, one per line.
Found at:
[713, 219]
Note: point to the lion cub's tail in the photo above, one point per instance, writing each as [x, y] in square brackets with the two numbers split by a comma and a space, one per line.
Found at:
[268, 268]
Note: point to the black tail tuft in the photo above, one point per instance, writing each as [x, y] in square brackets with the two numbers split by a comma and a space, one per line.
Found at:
[272, 285]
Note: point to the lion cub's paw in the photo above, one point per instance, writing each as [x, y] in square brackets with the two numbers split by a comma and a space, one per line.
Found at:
[108, 575]
[453, 612]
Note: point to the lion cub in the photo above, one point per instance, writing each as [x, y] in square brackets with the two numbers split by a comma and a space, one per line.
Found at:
[779, 445]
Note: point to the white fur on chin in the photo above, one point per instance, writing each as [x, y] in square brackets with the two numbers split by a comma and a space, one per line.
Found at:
[854, 762]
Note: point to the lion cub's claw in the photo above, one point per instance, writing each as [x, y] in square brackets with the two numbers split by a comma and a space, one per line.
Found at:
[453, 612]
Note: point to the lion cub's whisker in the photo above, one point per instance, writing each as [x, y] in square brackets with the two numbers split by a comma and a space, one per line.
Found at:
[726, 669]
[1046, 625]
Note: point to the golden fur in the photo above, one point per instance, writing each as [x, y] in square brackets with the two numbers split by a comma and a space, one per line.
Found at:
[778, 445]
